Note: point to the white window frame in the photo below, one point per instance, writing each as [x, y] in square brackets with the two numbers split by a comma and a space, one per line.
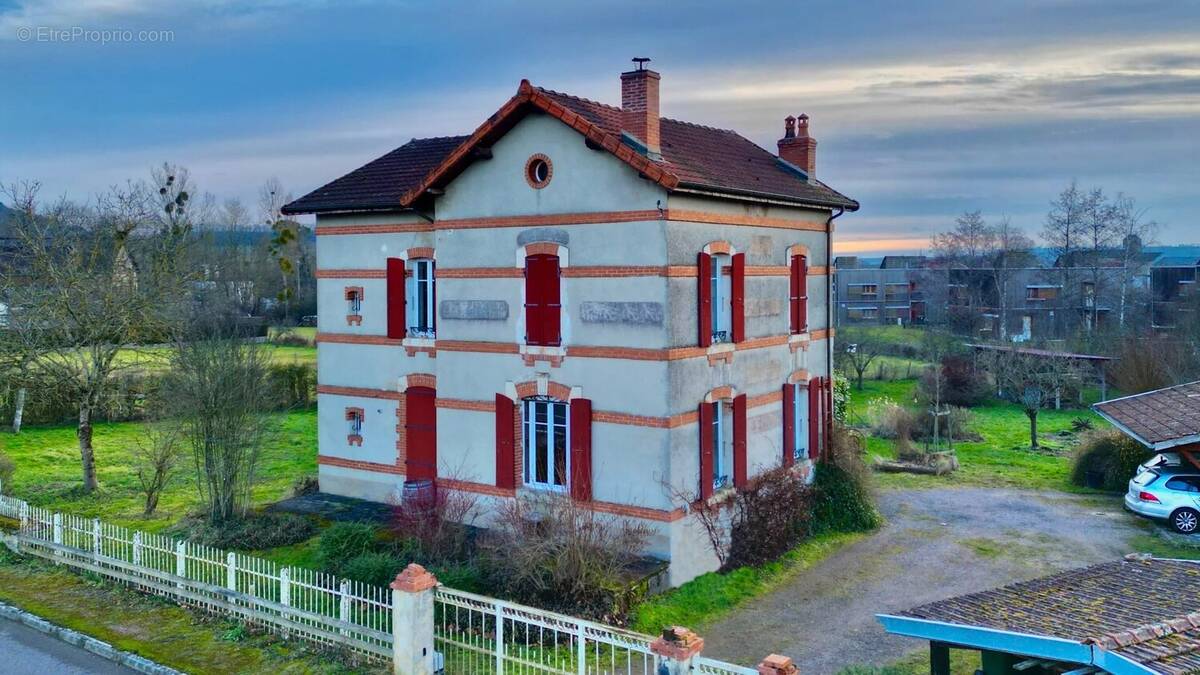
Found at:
[720, 285]
[531, 428]
[355, 302]
[722, 447]
[799, 422]
[421, 285]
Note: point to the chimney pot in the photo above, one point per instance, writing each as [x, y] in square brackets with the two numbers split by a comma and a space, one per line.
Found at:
[797, 147]
[639, 107]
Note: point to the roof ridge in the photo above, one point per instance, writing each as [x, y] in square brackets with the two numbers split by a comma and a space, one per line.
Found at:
[450, 137]
[704, 126]
[544, 90]
[1146, 632]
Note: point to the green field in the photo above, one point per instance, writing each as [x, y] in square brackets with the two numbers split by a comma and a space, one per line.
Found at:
[1002, 459]
[48, 471]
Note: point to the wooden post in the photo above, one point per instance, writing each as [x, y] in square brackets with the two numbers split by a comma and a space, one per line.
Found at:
[939, 658]
[412, 621]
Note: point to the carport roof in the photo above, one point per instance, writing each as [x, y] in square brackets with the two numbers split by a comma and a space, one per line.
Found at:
[1138, 614]
[1160, 419]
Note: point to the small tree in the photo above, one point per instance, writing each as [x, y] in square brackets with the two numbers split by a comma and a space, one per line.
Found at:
[219, 390]
[1030, 381]
[861, 348]
[156, 457]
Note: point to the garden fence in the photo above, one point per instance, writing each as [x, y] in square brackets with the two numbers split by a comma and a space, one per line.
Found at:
[473, 634]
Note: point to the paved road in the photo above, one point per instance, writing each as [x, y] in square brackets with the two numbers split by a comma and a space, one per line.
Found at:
[936, 544]
[25, 651]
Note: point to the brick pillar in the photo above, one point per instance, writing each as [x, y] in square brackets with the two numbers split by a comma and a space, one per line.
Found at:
[777, 665]
[675, 649]
[412, 621]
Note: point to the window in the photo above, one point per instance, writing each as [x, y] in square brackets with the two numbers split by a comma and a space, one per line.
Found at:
[722, 434]
[354, 298]
[354, 423]
[543, 300]
[799, 422]
[421, 299]
[1041, 293]
[538, 171]
[546, 459]
[719, 285]
[864, 290]
[1184, 484]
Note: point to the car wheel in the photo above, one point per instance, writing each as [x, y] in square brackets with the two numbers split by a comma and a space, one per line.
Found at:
[1186, 521]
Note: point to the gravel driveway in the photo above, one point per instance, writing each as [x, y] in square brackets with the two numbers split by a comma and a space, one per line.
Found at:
[936, 544]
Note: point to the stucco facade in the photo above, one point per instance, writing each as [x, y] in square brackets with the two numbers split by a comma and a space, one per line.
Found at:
[627, 250]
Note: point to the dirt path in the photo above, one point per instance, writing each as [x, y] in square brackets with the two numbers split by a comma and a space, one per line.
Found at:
[937, 544]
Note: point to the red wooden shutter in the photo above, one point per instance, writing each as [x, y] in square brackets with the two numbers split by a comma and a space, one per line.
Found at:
[706, 450]
[814, 417]
[581, 449]
[828, 431]
[420, 433]
[739, 441]
[799, 293]
[704, 298]
[789, 424]
[737, 297]
[794, 294]
[396, 319]
[506, 469]
[543, 305]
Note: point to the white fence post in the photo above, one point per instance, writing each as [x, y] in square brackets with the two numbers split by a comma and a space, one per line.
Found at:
[412, 621]
[96, 544]
[180, 561]
[137, 548]
[344, 604]
[499, 637]
[581, 650]
[675, 650]
[285, 587]
[231, 571]
[23, 516]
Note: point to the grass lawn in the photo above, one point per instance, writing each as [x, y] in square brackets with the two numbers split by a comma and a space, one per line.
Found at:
[962, 662]
[150, 626]
[708, 597]
[1002, 459]
[48, 473]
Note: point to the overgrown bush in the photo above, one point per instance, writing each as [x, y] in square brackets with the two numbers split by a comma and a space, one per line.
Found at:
[958, 421]
[289, 338]
[305, 485]
[961, 383]
[1146, 363]
[7, 469]
[843, 497]
[889, 419]
[1081, 424]
[770, 516]
[1108, 458]
[549, 552]
[373, 567]
[254, 532]
[439, 523]
[343, 542]
[294, 384]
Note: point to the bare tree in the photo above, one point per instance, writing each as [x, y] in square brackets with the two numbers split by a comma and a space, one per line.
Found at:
[970, 240]
[1032, 381]
[78, 300]
[218, 391]
[284, 237]
[156, 457]
[1064, 235]
[1134, 231]
[1011, 250]
[862, 348]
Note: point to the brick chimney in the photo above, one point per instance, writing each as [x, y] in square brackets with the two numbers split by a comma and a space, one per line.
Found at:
[639, 107]
[797, 147]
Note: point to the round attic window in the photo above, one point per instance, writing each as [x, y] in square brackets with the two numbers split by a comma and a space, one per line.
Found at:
[538, 171]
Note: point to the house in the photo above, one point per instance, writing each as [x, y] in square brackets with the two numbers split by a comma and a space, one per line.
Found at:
[1136, 615]
[892, 290]
[581, 299]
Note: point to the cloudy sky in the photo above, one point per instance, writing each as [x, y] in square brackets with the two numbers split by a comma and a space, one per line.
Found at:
[922, 109]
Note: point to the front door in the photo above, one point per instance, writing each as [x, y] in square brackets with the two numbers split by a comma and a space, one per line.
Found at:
[420, 433]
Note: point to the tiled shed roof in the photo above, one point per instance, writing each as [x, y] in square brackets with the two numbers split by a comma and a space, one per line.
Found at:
[693, 157]
[1158, 419]
[1145, 610]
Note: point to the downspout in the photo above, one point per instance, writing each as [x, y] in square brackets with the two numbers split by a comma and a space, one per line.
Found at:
[829, 308]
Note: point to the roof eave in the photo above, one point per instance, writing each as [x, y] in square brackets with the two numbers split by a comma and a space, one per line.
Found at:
[327, 210]
[978, 637]
[700, 188]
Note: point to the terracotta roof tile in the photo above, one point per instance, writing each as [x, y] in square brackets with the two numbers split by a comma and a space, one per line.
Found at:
[379, 184]
[693, 156]
[1159, 416]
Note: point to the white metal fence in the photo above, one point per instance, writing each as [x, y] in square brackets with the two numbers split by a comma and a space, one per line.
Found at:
[475, 634]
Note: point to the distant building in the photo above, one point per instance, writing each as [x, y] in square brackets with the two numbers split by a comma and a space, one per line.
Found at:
[893, 290]
[1172, 289]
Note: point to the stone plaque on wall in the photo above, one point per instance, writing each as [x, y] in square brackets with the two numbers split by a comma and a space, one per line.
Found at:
[633, 313]
[474, 310]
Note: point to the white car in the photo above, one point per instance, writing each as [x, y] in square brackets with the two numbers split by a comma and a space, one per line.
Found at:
[1170, 493]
